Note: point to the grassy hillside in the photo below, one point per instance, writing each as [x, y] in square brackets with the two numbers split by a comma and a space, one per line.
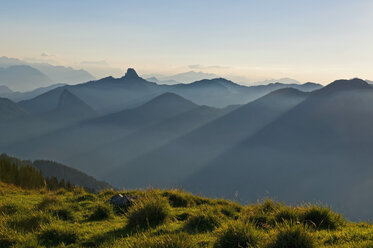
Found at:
[160, 218]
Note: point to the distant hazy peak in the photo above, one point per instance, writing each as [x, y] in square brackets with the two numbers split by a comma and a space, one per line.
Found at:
[168, 98]
[5, 90]
[287, 91]
[344, 84]
[219, 82]
[131, 74]
[354, 83]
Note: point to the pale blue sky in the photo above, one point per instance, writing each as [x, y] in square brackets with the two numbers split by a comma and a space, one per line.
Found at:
[318, 40]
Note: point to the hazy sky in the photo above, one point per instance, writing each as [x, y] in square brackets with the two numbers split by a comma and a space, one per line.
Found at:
[309, 40]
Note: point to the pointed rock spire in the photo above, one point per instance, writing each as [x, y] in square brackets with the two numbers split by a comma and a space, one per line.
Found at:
[131, 73]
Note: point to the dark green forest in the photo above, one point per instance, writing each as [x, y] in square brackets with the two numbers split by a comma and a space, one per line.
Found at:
[45, 174]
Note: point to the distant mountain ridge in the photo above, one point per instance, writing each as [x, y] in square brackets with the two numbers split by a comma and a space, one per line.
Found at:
[70, 108]
[4, 90]
[184, 77]
[35, 75]
[110, 94]
[9, 110]
[187, 153]
[20, 96]
[23, 77]
[280, 80]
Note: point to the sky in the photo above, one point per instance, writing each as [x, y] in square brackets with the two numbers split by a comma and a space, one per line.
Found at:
[246, 41]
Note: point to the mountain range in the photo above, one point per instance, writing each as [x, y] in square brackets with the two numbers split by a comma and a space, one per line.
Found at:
[19, 75]
[20, 96]
[317, 151]
[109, 95]
[293, 142]
[184, 77]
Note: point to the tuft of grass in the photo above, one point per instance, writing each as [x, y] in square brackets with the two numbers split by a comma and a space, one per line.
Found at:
[148, 211]
[9, 209]
[57, 236]
[64, 214]
[238, 234]
[323, 218]
[294, 236]
[201, 201]
[205, 221]
[230, 211]
[101, 212]
[287, 215]
[263, 221]
[47, 201]
[267, 206]
[179, 199]
[29, 223]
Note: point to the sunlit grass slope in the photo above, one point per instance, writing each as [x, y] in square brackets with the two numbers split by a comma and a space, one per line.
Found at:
[167, 218]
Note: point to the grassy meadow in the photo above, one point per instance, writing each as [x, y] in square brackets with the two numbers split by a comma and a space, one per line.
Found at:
[169, 219]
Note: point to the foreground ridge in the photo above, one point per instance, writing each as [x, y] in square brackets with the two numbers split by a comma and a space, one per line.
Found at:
[166, 218]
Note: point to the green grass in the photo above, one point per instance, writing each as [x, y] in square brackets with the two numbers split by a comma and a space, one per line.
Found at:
[54, 236]
[239, 234]
[149, 211]
[168, 219]
[101, 212]
[323, 218]
[205, 221]
[293, 235]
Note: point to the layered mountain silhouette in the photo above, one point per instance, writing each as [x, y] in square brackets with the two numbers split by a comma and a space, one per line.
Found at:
[23, 77]
[4, 90]
[165, 81]
[156, 117]
[319, 150]
[55, 74]
[215, 137]
[18, 96]
[69, 109]
[184, 77]
[28, 125]
[183, 156]
[161, 107]
[10, 110]
[105, 95]
[110, 94]
[122, 151]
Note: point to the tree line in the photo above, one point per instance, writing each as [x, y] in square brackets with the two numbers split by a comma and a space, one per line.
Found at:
[28, 177]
